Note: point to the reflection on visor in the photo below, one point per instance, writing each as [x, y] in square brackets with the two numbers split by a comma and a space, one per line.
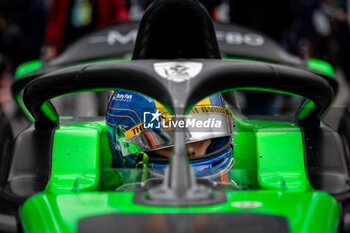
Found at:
[197, 127]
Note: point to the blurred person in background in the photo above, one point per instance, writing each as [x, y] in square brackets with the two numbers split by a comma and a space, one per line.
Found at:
[323, 30]
[70, 19]
[324, 39]
[331, 41]
[210, 5]
[22, 27]
[4, 82]
[342, 18]
[274, 18]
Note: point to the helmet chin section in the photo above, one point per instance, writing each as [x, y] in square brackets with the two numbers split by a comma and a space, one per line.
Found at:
[212, 167]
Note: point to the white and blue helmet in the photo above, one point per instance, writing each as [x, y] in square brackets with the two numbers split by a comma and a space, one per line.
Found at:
[137, 123]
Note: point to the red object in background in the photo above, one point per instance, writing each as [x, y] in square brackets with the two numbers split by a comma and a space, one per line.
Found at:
[108, 11]
[5, 84]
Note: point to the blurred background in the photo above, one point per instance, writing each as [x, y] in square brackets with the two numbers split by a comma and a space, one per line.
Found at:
[42, 29]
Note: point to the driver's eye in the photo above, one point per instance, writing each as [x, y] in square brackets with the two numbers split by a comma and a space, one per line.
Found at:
[166, 152]
[196, 149]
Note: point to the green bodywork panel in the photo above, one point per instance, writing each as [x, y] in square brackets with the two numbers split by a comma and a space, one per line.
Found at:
[27, 68]
[274, 150]
[321, 67]
[306, 212]
[78, 163]
[268, 158]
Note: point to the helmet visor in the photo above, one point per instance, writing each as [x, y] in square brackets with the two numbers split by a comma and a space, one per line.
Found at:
[197, 127]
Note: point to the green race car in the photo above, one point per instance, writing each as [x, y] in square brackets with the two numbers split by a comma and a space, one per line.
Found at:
[290, 173]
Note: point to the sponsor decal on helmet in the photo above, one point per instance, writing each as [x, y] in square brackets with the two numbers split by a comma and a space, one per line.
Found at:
[134, 130]
[122, 97]
[210, 109]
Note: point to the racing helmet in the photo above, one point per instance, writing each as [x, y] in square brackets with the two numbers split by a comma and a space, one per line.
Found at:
[138, 124]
